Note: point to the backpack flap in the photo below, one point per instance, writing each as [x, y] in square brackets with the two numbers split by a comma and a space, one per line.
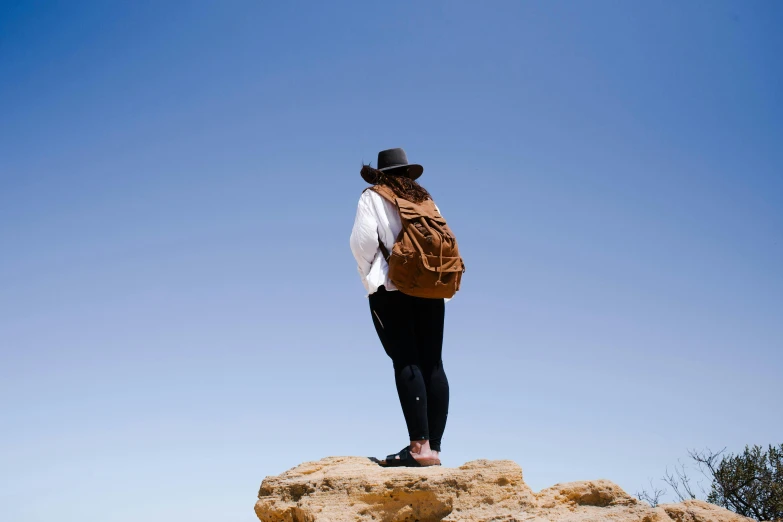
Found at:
[435, 263]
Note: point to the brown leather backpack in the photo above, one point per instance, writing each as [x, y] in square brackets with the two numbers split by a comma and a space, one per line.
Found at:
[425, 260]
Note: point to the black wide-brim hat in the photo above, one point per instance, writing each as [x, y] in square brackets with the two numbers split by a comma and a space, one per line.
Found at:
[394, 162]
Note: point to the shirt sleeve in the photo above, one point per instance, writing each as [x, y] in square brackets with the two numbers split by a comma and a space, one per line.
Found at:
[364, 237]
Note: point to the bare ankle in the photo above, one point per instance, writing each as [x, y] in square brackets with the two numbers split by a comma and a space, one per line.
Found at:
[420, 446]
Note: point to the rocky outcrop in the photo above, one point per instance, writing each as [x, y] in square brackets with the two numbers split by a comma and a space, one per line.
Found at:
[356, 489]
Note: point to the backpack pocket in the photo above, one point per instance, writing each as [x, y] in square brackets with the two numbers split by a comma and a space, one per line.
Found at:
[423, 276]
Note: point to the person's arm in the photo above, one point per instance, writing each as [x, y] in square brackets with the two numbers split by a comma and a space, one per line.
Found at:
[364, 237]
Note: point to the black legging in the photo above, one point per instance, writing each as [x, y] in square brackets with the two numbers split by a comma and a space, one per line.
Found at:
[411, 331]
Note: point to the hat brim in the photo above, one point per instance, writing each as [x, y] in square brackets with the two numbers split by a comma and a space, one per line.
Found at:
[412, 170]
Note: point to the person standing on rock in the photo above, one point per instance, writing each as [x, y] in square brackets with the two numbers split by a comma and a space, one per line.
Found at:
[410, 265]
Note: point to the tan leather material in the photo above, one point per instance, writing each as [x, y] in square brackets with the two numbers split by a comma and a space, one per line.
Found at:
[425, 259]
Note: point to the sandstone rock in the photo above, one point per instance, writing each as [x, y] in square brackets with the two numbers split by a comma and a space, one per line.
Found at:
[356, 489]
[696, 510]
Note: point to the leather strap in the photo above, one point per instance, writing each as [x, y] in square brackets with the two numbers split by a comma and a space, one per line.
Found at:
[385, 192]
[388, 194]
[383, 249]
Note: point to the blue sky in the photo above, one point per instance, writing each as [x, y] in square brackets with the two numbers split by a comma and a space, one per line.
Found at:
[180, 312]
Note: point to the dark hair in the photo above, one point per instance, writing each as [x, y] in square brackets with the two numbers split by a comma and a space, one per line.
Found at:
[403, 186]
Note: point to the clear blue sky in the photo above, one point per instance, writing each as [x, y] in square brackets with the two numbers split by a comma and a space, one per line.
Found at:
[180, 313]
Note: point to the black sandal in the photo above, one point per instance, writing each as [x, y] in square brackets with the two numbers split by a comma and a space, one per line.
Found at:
[406, 460]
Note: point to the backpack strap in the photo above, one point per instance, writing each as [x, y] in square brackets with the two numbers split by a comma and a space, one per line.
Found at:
[388, 194]
[385, 192]
[383, 249]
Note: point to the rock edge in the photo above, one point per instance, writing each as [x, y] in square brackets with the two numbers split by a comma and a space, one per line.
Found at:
[358, 490]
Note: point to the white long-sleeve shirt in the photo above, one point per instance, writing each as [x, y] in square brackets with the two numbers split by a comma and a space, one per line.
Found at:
[375, 216]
